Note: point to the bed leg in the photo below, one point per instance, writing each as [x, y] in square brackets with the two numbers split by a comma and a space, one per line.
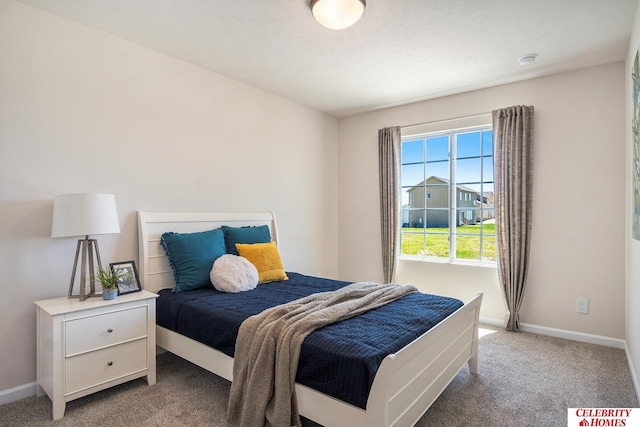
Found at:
[473, 364]
[473, 360]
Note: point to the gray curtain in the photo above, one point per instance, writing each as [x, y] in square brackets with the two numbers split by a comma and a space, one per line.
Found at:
[513, 175]
[389, 140]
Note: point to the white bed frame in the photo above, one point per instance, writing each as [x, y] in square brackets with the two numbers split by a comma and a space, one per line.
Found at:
[407, 382]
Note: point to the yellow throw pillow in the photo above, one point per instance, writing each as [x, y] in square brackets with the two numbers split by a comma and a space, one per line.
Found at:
[266, 258]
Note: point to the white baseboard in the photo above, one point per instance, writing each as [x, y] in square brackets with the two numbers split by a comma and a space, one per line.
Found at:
[492, 322]
[17, 393]
[561, 333]
[634, 373]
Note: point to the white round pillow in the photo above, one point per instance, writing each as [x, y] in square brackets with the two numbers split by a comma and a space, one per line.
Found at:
[232, 273]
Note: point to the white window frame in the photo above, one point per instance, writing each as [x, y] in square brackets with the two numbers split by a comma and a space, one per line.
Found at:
[462, 125]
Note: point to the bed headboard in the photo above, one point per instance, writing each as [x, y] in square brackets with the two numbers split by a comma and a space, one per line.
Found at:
[155, 271]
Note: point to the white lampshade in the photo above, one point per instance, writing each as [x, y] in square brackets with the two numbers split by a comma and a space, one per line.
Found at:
[337, 14]
[84, 215]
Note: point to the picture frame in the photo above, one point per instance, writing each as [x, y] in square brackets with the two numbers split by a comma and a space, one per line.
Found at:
[129, 282]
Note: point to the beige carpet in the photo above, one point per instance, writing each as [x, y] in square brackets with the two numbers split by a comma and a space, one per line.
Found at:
[524, 380]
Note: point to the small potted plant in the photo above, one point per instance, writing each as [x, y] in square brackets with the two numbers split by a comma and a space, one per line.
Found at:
[109, 280]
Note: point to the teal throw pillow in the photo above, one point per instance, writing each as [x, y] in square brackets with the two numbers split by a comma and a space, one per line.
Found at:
[245, 235]
[191, 256]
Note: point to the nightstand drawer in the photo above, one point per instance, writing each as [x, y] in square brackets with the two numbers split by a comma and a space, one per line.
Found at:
[100, 366]
[92, 332]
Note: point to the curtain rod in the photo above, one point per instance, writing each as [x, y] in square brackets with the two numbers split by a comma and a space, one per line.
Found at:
[445, 121]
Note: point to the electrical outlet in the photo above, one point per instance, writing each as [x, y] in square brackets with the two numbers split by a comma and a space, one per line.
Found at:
[582, 305]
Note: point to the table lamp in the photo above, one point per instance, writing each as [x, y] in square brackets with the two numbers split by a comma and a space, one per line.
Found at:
[85, 215]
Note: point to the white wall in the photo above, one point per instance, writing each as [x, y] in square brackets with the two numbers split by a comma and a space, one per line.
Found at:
[82, 111]
[577, 248]
[632, 247]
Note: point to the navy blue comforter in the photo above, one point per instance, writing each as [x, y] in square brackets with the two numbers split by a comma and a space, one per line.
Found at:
[340, 360]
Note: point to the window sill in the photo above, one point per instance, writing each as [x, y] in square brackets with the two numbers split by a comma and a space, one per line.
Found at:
[489, 264]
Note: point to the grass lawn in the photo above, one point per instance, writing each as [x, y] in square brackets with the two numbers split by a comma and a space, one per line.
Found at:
[437, 242]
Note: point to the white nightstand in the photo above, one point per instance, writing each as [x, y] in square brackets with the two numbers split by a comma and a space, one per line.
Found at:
[87, 346]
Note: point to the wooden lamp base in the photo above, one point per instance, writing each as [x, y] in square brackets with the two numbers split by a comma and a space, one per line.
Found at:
[89, 248]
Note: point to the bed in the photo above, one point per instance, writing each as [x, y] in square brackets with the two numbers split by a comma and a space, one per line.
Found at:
[407, 381]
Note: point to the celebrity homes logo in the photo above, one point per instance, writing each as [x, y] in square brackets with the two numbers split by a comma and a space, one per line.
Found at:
[603, 417]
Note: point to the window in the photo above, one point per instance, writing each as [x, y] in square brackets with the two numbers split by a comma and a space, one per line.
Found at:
[447, 195]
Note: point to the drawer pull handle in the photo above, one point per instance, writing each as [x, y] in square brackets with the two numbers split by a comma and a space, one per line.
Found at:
[109, 363]
[109, 330]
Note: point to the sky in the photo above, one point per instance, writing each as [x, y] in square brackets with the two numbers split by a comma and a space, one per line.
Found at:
[473, 159]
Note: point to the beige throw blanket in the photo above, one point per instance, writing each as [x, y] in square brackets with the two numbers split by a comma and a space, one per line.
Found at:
[268, 349]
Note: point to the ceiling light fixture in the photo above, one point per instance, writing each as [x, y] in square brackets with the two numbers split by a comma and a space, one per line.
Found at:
[527, 60]
[337, 14]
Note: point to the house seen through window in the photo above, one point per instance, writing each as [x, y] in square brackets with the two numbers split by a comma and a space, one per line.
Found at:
[447, 195]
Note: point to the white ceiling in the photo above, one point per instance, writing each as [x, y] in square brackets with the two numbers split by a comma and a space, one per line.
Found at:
[401, 51]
